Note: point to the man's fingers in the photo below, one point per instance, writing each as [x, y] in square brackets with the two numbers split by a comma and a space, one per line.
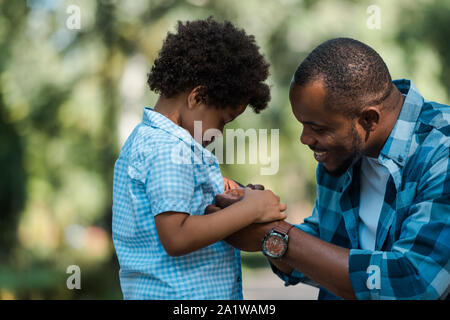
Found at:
[211, 209]
[283, 207]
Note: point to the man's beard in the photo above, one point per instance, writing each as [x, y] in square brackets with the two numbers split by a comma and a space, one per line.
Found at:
[355, 154]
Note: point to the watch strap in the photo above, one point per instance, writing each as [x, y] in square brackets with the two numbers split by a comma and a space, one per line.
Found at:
[283, 227]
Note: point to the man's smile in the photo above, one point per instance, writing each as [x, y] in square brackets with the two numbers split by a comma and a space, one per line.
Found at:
[320, 156]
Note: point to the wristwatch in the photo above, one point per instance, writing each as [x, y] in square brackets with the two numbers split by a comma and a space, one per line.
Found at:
[275, 243]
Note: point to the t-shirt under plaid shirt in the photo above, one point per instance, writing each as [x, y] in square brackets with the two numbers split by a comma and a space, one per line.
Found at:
[162, 168]
[411, 259]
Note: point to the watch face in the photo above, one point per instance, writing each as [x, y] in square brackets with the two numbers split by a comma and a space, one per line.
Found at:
[274, 245]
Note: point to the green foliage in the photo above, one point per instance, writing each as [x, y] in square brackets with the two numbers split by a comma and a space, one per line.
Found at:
[428, 26]
[69, 98]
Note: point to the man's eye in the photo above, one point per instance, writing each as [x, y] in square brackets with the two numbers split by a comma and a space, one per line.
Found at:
[318, 130]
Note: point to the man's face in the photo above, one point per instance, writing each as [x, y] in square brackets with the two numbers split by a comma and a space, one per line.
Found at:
[333, 137]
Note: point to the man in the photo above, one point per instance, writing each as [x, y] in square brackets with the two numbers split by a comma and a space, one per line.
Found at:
[380, 227]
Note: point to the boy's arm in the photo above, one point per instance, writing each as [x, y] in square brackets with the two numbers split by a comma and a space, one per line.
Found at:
[181, 233]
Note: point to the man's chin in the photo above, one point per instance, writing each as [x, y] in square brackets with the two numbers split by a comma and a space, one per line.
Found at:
[336, 172]
[340, 170]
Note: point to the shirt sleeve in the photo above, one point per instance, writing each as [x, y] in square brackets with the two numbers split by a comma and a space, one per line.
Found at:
[417, 267]
[310, 225]
[170, 183]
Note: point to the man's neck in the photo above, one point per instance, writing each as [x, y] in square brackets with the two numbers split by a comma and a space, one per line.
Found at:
[392, 108]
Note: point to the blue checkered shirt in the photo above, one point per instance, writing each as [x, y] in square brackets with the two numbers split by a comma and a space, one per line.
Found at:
[412, 250]
[162, 168]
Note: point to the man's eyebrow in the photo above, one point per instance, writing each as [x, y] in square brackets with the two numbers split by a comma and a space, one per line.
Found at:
[313, 123]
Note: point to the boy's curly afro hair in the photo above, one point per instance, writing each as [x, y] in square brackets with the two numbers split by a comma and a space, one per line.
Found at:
[220, 58]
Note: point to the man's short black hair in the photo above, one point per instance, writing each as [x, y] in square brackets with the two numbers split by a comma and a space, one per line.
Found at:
[220, 58]
[353, 74]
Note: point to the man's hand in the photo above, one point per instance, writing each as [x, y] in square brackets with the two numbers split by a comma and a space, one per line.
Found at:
[250, 238]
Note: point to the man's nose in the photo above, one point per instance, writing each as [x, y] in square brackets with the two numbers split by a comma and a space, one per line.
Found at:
[307, 139]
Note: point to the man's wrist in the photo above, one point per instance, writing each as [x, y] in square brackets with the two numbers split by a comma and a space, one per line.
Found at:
[275, 242]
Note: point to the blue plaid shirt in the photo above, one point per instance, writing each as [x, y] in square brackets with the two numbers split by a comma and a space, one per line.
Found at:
[412, 250]
[162, 168]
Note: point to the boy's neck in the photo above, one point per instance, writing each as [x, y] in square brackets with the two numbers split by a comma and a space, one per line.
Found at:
[170, 108]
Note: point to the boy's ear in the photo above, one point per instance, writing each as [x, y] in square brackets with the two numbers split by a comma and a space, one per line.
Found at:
[196, 97]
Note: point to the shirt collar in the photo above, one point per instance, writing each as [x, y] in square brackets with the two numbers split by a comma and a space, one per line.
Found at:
[399, 141]
[157, 120]
[395, 150]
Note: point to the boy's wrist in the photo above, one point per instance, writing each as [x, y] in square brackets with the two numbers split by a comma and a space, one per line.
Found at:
[247, 208]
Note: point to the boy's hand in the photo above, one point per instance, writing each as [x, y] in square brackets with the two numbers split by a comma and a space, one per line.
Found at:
[265, 205]
[230, 184]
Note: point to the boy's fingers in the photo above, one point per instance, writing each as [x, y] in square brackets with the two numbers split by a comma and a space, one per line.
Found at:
[230, 184]
[282, 206]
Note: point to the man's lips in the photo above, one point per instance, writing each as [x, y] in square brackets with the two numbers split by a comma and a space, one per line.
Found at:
[320, 155]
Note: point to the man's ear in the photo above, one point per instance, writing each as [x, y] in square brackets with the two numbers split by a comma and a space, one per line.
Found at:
[196, 97]
[370, 118]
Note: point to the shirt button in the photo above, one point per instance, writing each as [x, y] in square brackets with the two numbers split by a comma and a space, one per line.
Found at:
[239, 279]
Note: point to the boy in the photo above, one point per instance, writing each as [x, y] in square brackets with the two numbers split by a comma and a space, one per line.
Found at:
[167, 248]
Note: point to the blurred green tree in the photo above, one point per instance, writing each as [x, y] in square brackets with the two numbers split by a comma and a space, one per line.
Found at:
[63, 109]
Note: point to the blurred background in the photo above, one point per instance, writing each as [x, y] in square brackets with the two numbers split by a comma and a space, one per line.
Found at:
[73, 86]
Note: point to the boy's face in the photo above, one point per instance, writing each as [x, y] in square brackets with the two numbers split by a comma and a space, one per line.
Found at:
[210, 117]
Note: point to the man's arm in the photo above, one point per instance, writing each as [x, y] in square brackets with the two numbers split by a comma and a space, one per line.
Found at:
[282, 266]
[415, 268]
[323, 262]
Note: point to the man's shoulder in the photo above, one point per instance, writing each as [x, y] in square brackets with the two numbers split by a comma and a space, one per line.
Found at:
[432, 135]
[436, 116]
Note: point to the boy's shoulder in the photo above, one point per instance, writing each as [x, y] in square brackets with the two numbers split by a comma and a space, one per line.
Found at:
[144, 145]
[148, 136]
[148, 141]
